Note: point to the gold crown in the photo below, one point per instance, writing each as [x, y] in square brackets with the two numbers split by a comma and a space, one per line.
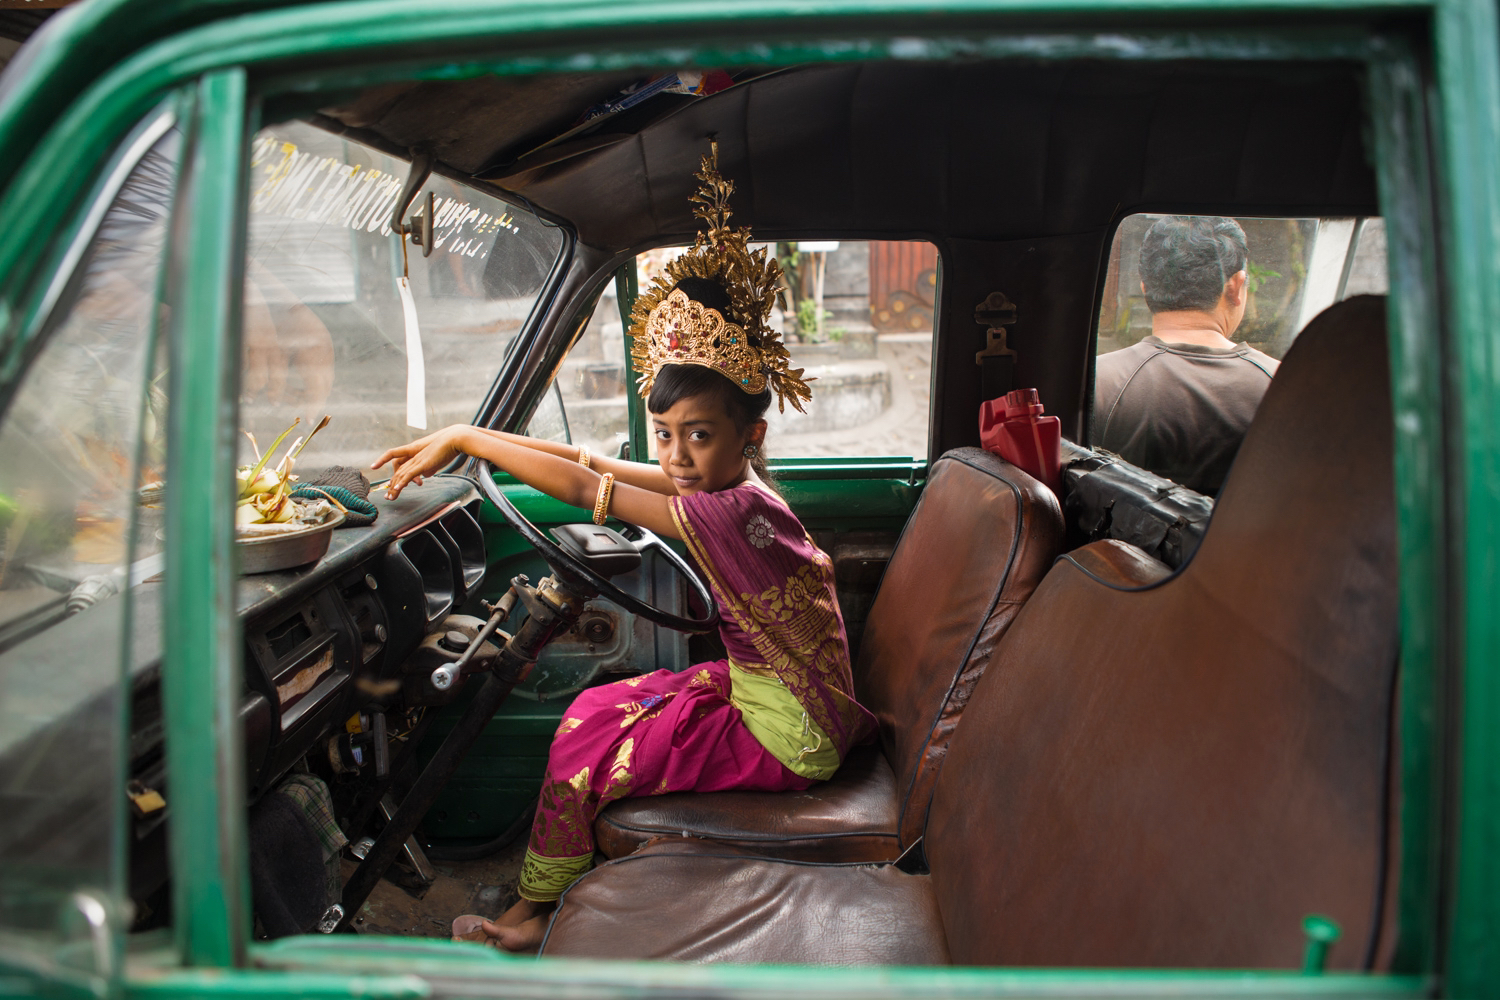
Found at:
[668, 328]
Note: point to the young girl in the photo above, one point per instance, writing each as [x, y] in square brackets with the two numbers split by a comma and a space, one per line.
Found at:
[779, 713]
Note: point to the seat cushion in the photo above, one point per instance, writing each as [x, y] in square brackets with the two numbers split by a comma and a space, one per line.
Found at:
[696, 901]
[851, 817]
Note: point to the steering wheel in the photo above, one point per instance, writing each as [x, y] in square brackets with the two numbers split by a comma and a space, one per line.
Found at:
[569, 565]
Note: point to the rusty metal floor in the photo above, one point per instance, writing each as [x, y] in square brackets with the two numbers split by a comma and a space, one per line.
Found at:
[486, 887]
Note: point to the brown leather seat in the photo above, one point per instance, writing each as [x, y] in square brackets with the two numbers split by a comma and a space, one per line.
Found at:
[743, 907]
[1158, 770]
[982, 536]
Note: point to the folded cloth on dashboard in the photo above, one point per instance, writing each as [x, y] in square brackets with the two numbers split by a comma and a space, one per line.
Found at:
[348, 486]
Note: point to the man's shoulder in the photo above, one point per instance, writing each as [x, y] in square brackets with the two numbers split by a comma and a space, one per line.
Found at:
[1112, 371]
[1261, 360]
[1126, 356]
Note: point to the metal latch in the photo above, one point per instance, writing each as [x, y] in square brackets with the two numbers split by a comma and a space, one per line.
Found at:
[143, 800]
[995, 313]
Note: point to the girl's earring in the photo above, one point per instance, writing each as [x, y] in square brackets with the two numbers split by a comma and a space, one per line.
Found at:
[751, 451]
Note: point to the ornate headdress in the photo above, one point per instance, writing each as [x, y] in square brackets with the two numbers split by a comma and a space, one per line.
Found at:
[671, 329]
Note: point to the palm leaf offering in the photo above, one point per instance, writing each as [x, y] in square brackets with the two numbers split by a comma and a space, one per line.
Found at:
[265, 504]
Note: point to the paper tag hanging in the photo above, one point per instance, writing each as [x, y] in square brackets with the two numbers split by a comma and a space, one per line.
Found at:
[416, 368]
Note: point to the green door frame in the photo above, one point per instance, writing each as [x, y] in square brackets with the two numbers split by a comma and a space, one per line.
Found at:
[1447, 393]
[202, 677]
[1468, 85]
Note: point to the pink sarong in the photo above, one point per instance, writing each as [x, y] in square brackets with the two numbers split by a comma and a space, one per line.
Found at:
[656, 733]
[666, 732]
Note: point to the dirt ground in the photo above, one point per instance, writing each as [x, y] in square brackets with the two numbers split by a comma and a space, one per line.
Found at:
[486, 887]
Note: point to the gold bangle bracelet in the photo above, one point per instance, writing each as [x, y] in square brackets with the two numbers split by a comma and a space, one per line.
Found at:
[601, 503]
[584, 458]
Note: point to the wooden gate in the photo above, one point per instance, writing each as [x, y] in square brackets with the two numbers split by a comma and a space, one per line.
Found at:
[903, 286]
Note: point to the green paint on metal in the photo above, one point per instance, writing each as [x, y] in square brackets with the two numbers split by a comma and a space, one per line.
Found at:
[1321, 933]
[1468, 84]
[201, 671]
[501, 774]
[524, 976]
[850, 503]
[1401, 146]
[824, 502]
[538, 507]
[627, 288]
[252, 984]
[67, 155]
[776, 50]
[106, 31]
[864, 467]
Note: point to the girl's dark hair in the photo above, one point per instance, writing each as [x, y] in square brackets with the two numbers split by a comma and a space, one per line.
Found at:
[674, 383]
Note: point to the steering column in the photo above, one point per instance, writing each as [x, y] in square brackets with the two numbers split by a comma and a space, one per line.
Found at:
[583, 559]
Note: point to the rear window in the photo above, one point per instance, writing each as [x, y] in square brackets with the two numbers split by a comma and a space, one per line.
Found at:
[325, 329]
[1197, 313]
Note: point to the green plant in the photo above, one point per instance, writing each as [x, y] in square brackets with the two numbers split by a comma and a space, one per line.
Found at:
[1257, 275]
[810, 320]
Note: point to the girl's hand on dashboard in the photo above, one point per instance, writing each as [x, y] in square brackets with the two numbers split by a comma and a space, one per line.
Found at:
[422, 457]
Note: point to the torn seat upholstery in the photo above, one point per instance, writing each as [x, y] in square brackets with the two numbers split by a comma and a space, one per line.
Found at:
[981, 538]
[1159, 769]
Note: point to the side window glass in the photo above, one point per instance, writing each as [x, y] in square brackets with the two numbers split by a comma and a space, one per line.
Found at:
[550, 420]
[588, 403]
[858, 316]
[82, 450]
[1197, 314]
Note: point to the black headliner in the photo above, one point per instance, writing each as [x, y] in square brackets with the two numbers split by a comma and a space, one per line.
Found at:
[999, 150]
[1017, 170]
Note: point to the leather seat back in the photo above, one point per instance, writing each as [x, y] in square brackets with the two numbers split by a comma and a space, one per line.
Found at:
[981, 538]
[1174, 770]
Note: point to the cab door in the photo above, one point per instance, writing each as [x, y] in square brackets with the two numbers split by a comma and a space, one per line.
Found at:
[82, 435]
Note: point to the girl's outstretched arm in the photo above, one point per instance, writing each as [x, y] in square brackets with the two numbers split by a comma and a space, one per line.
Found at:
[556, 475]
[646, 475]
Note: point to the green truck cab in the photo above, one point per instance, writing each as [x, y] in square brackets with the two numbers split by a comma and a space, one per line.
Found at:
[1233, 744]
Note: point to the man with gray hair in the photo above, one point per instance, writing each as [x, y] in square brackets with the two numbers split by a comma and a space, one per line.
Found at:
[1178, 403]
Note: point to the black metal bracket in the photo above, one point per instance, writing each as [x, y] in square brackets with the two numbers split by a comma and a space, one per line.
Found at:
[997, 362]
[995, 313]
[420, 228]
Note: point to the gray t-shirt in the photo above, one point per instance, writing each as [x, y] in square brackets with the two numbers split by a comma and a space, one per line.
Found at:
[1177, 409]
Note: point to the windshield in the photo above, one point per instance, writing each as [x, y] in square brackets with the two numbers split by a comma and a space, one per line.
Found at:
[325, 329]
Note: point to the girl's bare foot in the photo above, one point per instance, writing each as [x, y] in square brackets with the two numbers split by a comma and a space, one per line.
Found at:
[521, 912]
[523, 938]
[520, 928]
